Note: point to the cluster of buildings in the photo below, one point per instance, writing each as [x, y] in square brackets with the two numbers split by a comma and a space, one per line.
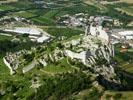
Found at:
[77, 20]
[35, 34]
[98, 31]
[96, 28]
[110, 36]
[81, 19]
[9, 22]
[16, 60]
[94, 45]
[45, 4]
[12, 60]
[100, 19]
[11, 18]
[93, 25]
[122, 36]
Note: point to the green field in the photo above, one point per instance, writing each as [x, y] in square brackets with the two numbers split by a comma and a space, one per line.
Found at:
[3, 38]
[127, 10]
[118, 95]
[124, 59]
[25, 14]
[61, 67]
[48, 16]
[43, 21]
[69, 82]
[4, 71]
[21, 82]
[6, 79]
[91, 93]
[6, 7]
[62, 31]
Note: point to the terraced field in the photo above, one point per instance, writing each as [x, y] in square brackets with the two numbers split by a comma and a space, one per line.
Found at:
[128, 10]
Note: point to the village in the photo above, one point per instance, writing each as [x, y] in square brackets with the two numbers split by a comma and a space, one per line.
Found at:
[95, 40]
[73, 47]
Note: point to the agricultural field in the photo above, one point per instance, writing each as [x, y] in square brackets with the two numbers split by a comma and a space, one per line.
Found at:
[127, 10]
[4, 71]
[127, 1]
[61, 67]
[59, 79]
[62, 31]
[118, 95]
[3, 38]
[24, 14]
[92, 93]
[23, 81]
[124, 59]
[6, 7]
[49, 15]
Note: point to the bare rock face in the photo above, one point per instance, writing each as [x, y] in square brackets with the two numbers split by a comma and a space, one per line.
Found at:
[97, 56]
[100, 62]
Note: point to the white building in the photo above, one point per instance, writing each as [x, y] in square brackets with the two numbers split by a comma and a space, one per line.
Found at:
[81, 56]
[24, 30]
[98, 31]
[128, 35]
[43, 39]
[35, 34]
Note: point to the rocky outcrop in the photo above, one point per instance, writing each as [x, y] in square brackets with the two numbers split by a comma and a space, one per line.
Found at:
[96, 57]
[100, 62]
[12, 71]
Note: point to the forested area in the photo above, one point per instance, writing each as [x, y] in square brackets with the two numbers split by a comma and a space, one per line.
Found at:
[62, 86]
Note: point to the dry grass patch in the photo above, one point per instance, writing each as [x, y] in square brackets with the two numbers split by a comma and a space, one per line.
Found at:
[7, 1]
[127, 1]
[90, 2]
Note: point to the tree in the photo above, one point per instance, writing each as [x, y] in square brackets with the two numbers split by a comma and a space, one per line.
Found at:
[60, 45]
